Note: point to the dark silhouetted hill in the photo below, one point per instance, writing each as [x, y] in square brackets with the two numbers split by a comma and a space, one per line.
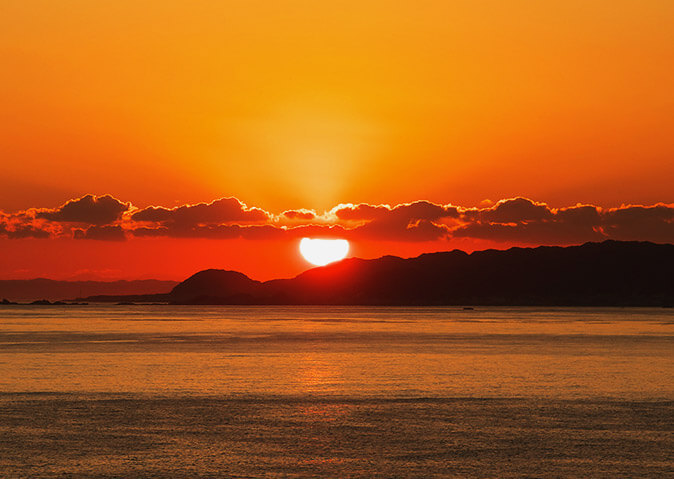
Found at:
[216, 286]
[611, 273]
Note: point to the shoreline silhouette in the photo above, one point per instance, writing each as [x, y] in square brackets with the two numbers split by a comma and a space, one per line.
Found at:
[611, 273]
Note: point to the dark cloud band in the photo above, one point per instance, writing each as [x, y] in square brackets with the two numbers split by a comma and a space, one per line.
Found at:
[514, 220]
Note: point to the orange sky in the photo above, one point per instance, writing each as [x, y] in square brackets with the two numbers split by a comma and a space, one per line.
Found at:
[306, 104]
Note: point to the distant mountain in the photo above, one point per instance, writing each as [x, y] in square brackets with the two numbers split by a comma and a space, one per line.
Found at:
[212, 286]
[611, 273]
[34, 289]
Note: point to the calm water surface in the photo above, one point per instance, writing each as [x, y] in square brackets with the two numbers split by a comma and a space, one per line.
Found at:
[165, 391]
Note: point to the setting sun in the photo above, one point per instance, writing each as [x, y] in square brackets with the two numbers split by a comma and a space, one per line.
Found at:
[323, 251]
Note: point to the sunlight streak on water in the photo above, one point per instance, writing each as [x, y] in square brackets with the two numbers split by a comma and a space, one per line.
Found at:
[352, 352]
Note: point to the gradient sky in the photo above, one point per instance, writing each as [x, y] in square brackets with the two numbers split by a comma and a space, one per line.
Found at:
[287, 105]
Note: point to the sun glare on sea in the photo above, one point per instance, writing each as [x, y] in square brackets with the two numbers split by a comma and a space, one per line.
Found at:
[323, 251]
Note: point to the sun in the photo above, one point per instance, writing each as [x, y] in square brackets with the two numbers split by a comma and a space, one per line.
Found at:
[323, 251]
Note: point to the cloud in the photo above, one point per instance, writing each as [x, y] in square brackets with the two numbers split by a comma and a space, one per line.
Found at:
[360, 212]
[221, 211]
[417, 221]
[90, 209]
[516, 210]
[20, 226]
[525, 221]
[581, 215]
[637, 222]
[514, 220]
[301, 214]
[23, 231]
[402, 213]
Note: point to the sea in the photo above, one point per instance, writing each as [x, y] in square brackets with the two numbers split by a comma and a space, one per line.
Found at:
[112, 391]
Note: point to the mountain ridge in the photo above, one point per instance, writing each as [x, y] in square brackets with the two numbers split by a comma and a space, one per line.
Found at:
[611, 273]
[51, 289]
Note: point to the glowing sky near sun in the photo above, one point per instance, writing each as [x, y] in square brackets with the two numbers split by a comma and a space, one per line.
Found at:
[294, 104]
[297, 104]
